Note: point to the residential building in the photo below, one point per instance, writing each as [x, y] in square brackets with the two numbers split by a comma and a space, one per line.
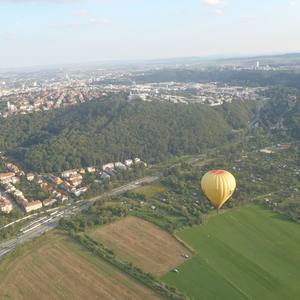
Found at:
[49, 202]
[91, 169]
[109, 166]
[128, 162]
[6, 177]
[34, 205]
[30, 176]
[68, 173]
[80, 191]
[120, 166]
[82, 171]
[75, 179]
[5, 205]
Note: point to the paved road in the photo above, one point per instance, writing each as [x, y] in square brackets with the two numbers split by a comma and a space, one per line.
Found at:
[38, 229]
[10, 245]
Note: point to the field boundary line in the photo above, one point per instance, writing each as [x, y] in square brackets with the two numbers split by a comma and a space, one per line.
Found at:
[183, 243]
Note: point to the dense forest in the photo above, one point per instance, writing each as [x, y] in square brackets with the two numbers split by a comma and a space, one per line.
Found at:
[282, 113]
[97, 132]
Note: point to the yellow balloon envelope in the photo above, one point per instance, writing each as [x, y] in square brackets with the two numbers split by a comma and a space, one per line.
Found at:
[218, 186]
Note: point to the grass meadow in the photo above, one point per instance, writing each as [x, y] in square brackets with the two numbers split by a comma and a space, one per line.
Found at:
[244, 253]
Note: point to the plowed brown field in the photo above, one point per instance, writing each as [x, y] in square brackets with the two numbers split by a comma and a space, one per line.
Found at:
[143, 244]
[58, 268]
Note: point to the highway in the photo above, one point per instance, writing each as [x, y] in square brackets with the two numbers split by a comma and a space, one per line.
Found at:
[42, 225]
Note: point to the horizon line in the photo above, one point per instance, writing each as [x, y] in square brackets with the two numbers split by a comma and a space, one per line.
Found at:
[139, 61]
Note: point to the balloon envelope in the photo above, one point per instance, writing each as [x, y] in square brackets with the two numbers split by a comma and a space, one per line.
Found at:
[218, 186]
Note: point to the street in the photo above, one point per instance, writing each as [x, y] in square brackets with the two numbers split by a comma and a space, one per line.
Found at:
[39, 228]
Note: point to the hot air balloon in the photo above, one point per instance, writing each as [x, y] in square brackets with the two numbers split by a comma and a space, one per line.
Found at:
[218, 186]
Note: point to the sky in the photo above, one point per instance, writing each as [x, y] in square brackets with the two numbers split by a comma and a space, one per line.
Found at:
[53, 32]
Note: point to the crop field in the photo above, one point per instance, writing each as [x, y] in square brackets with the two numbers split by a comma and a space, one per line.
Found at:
[150, 190]
[246, 253]
[55, 267]
[143, 244]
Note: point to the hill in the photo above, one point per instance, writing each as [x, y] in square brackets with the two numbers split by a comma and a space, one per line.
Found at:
[114, 129]
[246, 253]
[282, 112]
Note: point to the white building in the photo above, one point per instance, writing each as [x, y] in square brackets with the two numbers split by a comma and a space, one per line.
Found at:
[91, 169]
[109, 166]
[128, 162]
[119, 165]
[67, 174]
[30, 176]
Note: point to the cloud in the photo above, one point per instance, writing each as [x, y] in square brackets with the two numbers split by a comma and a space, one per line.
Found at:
[216, 6]
[214, 3]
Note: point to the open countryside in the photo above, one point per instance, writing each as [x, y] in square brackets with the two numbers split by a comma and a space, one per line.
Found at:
[162, 165]
[55, 267]
[143, 244]
[244, 253]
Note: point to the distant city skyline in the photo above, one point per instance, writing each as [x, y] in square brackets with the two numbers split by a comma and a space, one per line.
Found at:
[54, 32]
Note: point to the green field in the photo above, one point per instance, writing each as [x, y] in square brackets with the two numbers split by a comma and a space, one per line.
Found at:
[246, 253]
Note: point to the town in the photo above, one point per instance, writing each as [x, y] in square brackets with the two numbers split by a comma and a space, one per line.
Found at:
[56, 189]
[43, 94]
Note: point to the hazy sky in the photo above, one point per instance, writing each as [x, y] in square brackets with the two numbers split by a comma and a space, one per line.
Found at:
[43, 32]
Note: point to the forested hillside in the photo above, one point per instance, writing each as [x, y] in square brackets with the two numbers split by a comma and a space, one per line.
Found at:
[115, 129]
[282, 112]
